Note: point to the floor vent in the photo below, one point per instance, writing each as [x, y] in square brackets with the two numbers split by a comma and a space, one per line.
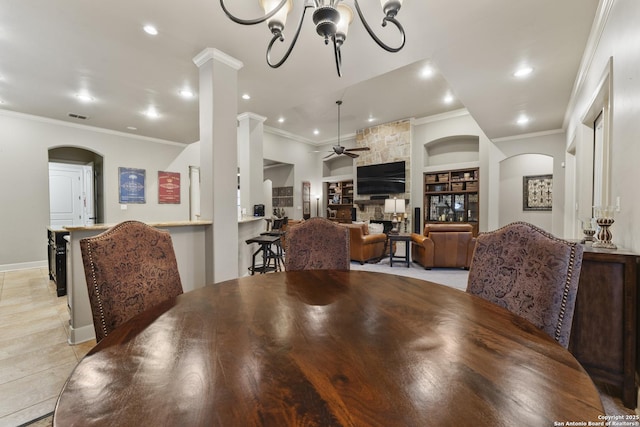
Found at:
[77, 116]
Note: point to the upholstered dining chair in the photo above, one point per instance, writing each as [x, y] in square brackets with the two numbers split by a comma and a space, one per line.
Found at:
[317, 244]
[529, 272]
[129, 268]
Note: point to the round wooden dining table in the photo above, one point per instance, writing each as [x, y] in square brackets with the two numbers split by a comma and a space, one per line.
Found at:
[327, 348]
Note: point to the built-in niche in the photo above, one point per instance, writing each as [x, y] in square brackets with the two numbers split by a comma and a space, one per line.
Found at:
[282, 195]
[452, 150]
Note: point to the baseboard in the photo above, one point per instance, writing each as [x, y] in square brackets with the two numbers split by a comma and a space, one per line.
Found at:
[81, 334]
[24, 265]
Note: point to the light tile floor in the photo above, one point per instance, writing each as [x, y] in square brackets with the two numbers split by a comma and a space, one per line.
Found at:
[36, 359]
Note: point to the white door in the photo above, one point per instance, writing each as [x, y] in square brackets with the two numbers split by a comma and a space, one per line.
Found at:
[65, 194]
[88, 199]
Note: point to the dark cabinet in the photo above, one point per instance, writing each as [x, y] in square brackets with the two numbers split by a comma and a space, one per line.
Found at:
[604, 331]
[58, 259]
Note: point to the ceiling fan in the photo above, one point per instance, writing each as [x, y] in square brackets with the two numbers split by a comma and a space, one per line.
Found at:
[339, 149]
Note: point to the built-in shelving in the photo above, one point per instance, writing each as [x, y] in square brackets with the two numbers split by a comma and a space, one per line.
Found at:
[452, 196]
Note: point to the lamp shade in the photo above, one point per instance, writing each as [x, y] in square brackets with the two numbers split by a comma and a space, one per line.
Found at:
[394, 206]
[346, 16]
[281, 16]
[389, 206]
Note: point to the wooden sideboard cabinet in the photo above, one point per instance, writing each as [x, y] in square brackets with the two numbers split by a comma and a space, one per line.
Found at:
[58, 259]
[604, 332]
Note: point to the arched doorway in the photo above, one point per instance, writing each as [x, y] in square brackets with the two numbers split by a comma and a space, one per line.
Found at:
[65, 162]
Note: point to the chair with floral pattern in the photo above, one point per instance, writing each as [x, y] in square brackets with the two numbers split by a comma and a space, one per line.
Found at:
[129, 268]
[317, 244]
[531, 273]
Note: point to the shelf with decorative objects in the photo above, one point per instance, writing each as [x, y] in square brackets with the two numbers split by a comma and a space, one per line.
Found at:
[452, 196]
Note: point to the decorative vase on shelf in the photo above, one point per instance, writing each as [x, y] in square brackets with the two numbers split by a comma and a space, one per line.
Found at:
[604, 219]
[588, 230]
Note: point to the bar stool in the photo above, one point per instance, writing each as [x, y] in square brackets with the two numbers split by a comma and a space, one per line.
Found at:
[268, 254]
[278, 230]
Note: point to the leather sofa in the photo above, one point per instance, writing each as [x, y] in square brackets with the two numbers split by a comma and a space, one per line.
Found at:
[364, 246]
[443, 245]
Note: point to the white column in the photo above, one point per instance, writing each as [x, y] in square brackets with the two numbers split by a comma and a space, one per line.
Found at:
[250, 160]
[218, 161]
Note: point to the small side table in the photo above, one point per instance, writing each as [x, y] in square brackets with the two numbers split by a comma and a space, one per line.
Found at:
[401, 237]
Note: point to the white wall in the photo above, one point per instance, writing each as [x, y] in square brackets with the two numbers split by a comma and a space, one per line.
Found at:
[444, 127]
[307, 165]
[24, 177]
[619, 40]
[512, 171]
[549, 145]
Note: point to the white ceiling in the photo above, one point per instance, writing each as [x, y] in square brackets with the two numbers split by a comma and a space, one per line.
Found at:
[52, 49]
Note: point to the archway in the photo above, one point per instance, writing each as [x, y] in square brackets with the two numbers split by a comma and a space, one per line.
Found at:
[80, 156]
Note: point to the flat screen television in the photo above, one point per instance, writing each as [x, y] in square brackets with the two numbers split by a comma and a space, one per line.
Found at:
[383, 178]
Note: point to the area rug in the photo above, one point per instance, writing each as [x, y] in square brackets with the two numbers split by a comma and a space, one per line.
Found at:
[452, 277]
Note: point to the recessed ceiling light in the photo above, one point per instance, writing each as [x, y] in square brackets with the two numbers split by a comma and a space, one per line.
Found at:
[448, 98]
[523, 120]
[523, 72]
[152, 113]
[150, 29]
[132, 128]
[371, 119]
[316, 132]
[186, 93]
[426, 72]
[246, 96]
[85, 97]
[281, 120]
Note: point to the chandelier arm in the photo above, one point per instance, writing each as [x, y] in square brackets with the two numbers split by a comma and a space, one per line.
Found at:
[384, 24]
[338, 55]
[278, 36]
[251, 21]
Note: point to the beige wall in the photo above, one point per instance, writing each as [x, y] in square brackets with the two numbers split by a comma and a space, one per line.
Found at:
[24, 180]
[618, 42]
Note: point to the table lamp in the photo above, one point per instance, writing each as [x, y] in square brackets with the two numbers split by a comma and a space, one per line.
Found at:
[394, 206]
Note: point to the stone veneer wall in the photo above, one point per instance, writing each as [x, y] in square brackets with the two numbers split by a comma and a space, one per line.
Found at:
[389, 142]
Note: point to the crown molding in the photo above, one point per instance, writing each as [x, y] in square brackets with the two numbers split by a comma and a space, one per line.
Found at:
[529, 135]
[443, 116]
[89, 128]
[254, 116]
[597, 29]
[213, 53]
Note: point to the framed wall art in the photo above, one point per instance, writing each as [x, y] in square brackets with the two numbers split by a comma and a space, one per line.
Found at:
[537, 192]
[131, 185]
[169, 187]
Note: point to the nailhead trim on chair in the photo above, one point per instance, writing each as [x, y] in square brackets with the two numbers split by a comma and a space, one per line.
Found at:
[95, 286]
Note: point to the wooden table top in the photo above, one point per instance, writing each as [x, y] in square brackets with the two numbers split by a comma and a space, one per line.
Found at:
[327, 348]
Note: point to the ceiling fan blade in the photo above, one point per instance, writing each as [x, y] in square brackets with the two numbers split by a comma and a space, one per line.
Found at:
[358, 149]
[326, 157]
[353, 156]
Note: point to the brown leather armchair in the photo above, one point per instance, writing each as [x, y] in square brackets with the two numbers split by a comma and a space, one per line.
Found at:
[364, 246]
[443, 245]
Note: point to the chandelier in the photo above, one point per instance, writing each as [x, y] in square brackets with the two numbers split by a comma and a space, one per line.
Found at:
[331, 18]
